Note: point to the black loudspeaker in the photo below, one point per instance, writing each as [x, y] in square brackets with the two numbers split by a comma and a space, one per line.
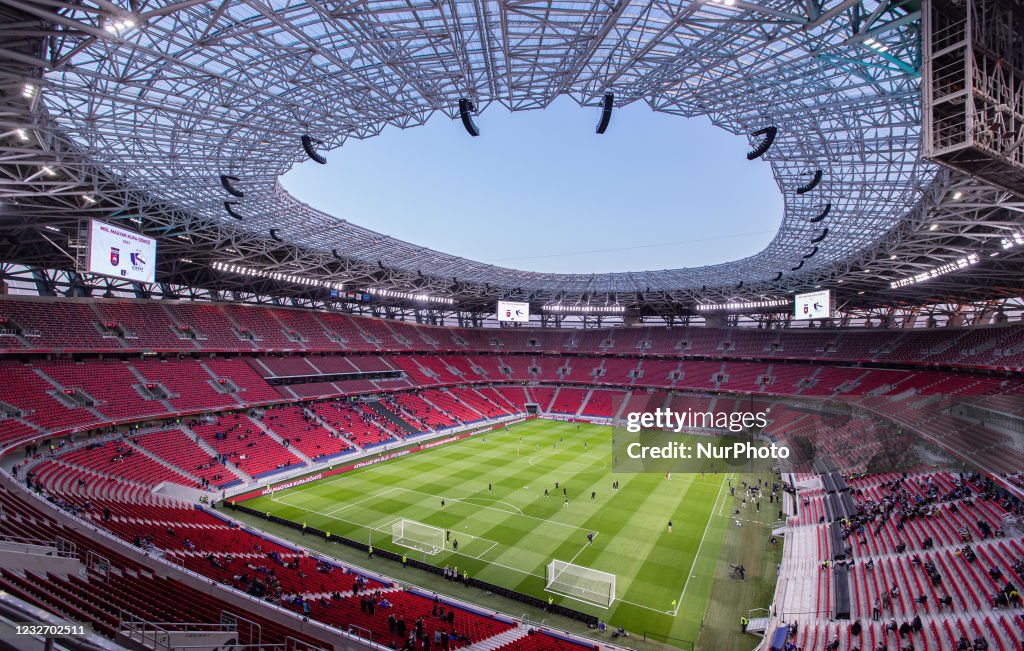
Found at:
[813, 183]
[230, 207]
[227, 181]
[822, 215]
[769, 134]
[607, 104]
[307, 146]
[465, 112]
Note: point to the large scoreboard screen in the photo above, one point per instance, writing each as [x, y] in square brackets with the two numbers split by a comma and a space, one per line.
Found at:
[513, 312]
[813, 305]
[121, 253]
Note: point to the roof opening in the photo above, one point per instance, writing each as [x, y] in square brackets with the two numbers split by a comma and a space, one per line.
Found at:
[539, 190]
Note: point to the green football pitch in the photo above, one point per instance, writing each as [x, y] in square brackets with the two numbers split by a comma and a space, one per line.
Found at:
[493, 486]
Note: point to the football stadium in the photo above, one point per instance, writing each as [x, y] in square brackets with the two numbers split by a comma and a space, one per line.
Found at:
[518, 325]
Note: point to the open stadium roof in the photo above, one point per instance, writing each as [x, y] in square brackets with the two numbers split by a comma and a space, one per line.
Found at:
[157, 100]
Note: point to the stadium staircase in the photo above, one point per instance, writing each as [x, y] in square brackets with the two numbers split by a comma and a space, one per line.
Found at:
[547, 406]
[490, 401]
[757, 625]
[59, 396]
[625, 402]
[217, 378]
[280, 441]
[163, 462]
[811, 381]
[209, 449]
[500, 640]
[142, 379]
[449, 414]
[583, 403]
[393, 418]
[330, 428]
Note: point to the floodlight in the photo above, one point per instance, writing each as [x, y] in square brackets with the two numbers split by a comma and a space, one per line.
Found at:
[823, 235]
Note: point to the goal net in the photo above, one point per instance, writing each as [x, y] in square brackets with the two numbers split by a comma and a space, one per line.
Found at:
[418, 536]
[582, 583]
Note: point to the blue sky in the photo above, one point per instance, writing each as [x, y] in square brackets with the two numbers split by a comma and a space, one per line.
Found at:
[539, 190]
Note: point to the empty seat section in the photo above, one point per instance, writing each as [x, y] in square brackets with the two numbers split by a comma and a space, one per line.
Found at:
[305, 432]
[190, 387]
[110, 383]
[354, 422]
[243, 443]
[179, 449]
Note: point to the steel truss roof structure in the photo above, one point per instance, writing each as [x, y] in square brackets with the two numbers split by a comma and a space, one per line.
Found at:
[134, 109]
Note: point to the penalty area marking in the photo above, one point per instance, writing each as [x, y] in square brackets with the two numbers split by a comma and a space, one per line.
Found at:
[479, 556]
[491, 508]
[340, 508]
[365, 499]
[489, 499]
[573, 559]
[570, 464]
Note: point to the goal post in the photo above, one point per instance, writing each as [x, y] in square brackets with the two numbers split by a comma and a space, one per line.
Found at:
[581, 583]
[418, 536]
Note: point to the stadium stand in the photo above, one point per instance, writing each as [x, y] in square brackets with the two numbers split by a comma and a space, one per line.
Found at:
[926, 558]
[924, 534]
[305, 432]
[568, 401]
[174, 446]
[354, 422]
[242, 442]
[603, 404]
[52, 325]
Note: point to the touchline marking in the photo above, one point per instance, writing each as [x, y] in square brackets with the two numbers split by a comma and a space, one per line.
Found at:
[689, 573]
[360, 525]
[365, 469]
[544, 456]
